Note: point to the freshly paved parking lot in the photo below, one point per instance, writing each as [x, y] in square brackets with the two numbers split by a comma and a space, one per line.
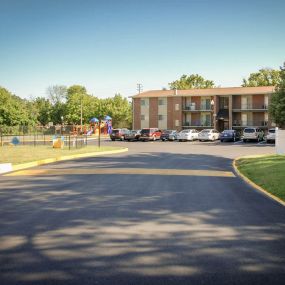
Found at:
[163, 213]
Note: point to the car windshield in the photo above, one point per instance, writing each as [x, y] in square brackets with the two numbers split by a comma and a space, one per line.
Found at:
[185, 131]
[166, 132]
[115, 131]
[228, 132]
[145, 131]
[272, 131]
[249, 131]
[206, 131]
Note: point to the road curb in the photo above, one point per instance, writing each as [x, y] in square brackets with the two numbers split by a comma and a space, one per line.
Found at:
[251, 183]
[62, 158]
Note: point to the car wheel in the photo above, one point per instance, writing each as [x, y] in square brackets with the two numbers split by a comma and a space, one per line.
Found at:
[244, 140]
[221, 140]
[112, 139]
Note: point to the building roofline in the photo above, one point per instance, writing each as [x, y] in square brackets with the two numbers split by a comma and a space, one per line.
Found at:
[207, 92]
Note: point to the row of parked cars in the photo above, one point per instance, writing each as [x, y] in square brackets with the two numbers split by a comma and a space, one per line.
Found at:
[147, 134]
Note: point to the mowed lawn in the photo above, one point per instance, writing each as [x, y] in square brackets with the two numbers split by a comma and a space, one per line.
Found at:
[267, 172]
[22, 154]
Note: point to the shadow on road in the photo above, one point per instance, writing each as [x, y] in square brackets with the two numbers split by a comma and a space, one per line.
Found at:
[139, 229]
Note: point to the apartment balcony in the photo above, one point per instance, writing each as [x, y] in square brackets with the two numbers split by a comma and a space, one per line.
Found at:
[250, 107]
[201, 108]
[242, 124]
[197, 124]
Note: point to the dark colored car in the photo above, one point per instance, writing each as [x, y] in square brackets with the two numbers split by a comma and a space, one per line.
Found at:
[168, 135]
[150, 134]
[133, 135]
[229, 135]
[118, 134]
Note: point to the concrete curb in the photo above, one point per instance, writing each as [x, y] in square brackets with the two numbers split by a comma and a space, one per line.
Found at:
[61, 158]
[251, 183]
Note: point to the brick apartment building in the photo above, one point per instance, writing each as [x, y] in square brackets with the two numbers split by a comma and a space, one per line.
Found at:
[219, 108]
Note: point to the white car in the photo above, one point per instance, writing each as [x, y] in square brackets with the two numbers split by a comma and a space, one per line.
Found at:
[208, 135]
[270, 136]
[187, 135]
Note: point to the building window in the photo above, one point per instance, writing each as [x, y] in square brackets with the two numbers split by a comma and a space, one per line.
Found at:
[160, 117]
[142, 117]
[176, 107]
[161, 102]
[177, 123]
[142, 102]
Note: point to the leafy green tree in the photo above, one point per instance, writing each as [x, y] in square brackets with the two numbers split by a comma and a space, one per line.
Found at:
[13, 109]
[193, 81]
[277, 102]
[57, 96]
[76, 97]
[264, 77]
[119, 109]
[43, 109]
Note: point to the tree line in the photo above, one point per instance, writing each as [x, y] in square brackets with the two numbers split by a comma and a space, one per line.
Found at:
[62, 106]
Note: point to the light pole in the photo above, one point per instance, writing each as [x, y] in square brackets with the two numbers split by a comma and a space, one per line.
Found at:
[81, 114]
[213, 110]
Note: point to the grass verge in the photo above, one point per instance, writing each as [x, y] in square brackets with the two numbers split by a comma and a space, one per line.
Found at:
[23, 154]
[267, 172]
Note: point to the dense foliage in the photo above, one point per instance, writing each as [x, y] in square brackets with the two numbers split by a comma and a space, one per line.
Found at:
[277, 103]
[264, 77]
[63, 105]
[193, 81]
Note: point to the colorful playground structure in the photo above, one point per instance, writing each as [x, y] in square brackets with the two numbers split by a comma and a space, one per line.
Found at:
[104, 128]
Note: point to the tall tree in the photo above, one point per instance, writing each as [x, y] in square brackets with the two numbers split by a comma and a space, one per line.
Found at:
[13, 109]
[44, 110]
[192, 81]
[264, 77]
[119, 109]
[277, 102]
[57, 96]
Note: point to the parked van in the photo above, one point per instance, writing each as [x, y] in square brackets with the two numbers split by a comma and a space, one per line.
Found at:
[250, 134]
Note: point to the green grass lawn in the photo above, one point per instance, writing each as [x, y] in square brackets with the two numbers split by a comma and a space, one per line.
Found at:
[267, 172]
[22, 154]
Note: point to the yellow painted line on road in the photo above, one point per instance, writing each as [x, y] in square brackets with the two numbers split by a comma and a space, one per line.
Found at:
[129, 171]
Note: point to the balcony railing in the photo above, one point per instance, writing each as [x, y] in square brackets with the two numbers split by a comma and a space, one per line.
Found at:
[202, 107]
[237, 123]
[251, 107]
[197, 123]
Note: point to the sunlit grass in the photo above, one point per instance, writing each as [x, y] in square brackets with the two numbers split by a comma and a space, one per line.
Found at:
[267, 172]
[22, 154]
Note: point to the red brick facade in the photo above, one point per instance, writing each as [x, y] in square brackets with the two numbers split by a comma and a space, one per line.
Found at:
[153, 112]
[136, 113]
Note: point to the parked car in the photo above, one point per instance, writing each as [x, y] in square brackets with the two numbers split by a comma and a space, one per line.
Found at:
[150, 134]
[133, 135]
[208, 135]
[118, 134]
[188, 135]
[250, 134]
[270, 136]
[173, 136]
[166, 134]
[229, 135]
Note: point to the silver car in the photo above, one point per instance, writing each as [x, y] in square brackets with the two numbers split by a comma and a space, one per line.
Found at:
[208, 135]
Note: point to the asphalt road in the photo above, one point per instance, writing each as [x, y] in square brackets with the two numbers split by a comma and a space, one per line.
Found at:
[163, 213]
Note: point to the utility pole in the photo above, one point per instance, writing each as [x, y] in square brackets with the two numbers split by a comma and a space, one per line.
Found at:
[139, 87]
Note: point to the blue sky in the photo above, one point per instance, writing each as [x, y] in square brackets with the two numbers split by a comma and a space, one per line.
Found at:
[110, 46]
